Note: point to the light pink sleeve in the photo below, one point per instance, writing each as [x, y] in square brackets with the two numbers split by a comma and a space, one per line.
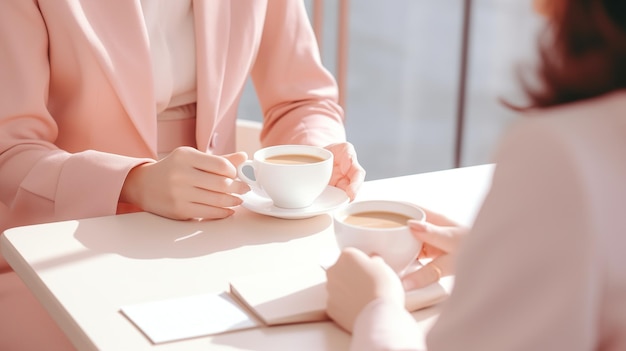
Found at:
[39, 182]
[529, 274]
[297, 94]
[385, 326]
[526, 277]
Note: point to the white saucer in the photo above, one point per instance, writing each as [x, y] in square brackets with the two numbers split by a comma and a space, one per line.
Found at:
[330, 199]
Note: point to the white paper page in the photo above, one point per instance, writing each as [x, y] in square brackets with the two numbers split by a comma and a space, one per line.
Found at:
[292, 295]
[188, 317]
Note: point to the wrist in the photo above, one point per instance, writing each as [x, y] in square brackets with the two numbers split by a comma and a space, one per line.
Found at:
[130, 192]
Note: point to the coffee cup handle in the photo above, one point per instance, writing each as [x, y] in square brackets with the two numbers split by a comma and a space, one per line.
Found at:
[240, 173]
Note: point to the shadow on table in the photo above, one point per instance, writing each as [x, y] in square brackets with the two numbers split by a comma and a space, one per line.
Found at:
[147, 236]
[309, 336]
[303, 336]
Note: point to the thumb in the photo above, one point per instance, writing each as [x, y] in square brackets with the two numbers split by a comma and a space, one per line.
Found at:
[236, 158]
[430, 273]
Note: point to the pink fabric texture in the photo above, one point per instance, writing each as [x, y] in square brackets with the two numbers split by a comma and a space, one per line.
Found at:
[76, 101]
[543, 267]
[77, 107]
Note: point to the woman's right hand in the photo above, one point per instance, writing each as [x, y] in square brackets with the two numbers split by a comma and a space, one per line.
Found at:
[187, 184]
[441, 238]
[354, 281]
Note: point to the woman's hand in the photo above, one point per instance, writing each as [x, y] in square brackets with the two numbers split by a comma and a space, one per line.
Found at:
[187, 184]
[347, 172]
[354, 281]
[441, 237]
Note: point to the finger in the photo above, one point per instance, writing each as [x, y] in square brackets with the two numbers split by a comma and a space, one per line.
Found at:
[347, 172]
[438, 219]
[344, 184]
[354, 254]
[218, 164]
[236, 158]
[338, 150]
[356, 177]
[347, 159]
[429, 274]
[192, 202]
[347, 257]
[191, 210]
[218, 183]
[204, 211]
[444, 238]
[420, 278]
[376, 258]
[357, 257]
[355, 173]
[215, 199]
[201, 160]
[429, 251]
[343, 155]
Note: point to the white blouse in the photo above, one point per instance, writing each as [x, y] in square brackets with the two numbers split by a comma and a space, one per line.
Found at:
[170, 27]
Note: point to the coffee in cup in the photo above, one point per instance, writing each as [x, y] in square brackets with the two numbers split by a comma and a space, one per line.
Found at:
[293, 176]
[377, 219]
[293, 159]
[380, 227]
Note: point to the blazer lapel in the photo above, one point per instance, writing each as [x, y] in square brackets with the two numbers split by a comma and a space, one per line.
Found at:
[212, 20]
[120, 39]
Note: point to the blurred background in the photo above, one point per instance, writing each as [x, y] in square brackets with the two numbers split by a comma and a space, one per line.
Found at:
[400, 68]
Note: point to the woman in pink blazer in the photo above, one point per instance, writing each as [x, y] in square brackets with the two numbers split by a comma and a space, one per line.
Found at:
[543, 266]
[86, 96]
[115, 106]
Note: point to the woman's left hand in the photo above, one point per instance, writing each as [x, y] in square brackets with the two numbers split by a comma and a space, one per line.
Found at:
[441, 243]
[348, 174]
[354, 281]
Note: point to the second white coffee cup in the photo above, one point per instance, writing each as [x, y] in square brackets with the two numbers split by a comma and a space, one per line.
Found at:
[380, 227]
[293, 176]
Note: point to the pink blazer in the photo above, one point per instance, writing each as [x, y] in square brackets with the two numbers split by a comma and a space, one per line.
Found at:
[77, 110]
[544, 265]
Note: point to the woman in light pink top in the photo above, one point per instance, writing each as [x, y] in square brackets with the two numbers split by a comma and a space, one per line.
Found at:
[543, 266]
[115, 106]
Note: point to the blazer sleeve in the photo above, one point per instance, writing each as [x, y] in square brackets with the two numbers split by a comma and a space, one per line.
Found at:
[38, 181]
[297, 94]
[526, 276]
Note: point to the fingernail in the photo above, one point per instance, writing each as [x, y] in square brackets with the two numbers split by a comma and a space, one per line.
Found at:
[244, 188]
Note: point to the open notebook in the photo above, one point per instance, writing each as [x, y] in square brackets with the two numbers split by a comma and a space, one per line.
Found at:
[295, 295]
[298, 295]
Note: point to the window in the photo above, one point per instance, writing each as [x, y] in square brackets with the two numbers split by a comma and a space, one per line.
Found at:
[402, 85]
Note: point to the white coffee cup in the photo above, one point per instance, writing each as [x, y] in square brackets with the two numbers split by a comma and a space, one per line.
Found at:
[380, 227]
[293, 176]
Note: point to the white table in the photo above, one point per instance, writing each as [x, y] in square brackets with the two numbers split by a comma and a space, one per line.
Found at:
[83, 271]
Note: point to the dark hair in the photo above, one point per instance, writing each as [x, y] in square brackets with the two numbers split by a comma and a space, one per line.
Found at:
[582, 52]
